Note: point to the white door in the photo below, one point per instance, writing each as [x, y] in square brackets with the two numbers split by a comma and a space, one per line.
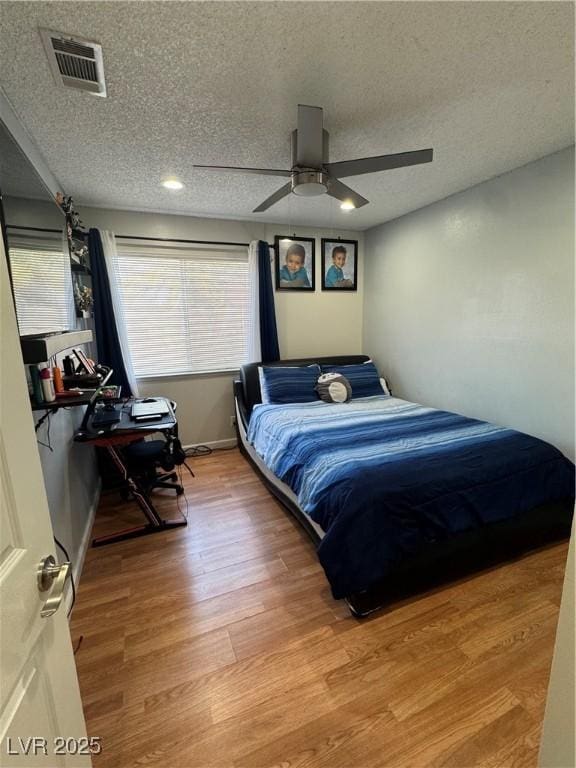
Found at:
[41, 718]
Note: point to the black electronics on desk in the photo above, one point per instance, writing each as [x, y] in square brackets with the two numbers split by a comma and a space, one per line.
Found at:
[107, 415]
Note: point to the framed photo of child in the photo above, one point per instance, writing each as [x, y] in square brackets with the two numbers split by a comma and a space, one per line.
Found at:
[339, 265]
[294, 263]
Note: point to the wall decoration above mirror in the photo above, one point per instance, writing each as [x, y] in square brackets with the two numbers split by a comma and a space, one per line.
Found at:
[75, 232]
[79, 257]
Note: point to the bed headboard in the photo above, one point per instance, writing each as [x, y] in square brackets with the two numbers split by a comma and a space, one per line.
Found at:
[248, 393]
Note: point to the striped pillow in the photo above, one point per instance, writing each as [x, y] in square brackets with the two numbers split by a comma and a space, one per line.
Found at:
[288, 384]
[364, 378]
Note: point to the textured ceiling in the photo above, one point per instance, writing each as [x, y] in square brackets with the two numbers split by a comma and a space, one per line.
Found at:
[488, 85]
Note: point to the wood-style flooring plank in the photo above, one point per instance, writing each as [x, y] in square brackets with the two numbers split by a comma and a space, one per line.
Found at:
[219, 646]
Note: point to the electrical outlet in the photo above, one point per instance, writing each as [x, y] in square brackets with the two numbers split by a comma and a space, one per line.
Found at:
[232, 421]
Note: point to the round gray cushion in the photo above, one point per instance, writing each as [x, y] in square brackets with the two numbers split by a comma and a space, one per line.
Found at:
[334, 388]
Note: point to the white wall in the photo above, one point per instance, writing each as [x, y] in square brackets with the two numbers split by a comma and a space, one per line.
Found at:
[309, 323]
[305, 327]
[72, 481]
[469, 303]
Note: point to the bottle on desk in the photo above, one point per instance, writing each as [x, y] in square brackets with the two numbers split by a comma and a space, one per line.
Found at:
[36, 384]
[47, 385]
[58, 382]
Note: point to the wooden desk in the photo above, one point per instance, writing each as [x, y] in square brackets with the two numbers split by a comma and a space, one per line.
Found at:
[127, 431]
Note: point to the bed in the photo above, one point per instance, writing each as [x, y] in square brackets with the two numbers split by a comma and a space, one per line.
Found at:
[397, 496]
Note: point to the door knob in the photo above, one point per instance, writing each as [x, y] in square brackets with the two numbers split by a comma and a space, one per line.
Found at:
[52, 575]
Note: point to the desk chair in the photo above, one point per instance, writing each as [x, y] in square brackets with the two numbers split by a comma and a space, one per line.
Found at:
[153, 461]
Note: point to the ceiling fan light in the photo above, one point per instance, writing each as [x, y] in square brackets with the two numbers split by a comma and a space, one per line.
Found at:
[172, 183]
[309, 183]
[309, 189]
[347, 205]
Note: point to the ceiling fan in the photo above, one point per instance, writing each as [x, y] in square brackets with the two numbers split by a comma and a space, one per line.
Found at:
[312, 174]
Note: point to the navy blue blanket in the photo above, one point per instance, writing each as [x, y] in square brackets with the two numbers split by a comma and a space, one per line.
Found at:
[384, 478]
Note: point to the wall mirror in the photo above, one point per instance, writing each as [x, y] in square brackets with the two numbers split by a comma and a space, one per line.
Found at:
[36, 241]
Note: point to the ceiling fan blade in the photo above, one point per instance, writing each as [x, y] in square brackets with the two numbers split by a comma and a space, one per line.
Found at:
[344, 194]
[278, 195]
[259, 171]
[379, 163]
[309, 143]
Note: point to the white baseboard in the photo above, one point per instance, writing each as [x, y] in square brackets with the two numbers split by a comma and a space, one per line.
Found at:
[84, 545]
[214, 444]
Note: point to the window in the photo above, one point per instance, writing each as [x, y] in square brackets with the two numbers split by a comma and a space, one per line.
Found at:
[186, 310]
[42, 283]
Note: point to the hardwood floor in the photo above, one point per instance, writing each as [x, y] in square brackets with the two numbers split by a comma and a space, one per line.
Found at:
[219, 646]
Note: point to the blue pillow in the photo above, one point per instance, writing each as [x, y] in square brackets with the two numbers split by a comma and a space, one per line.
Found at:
[282, 385]
[364, 378]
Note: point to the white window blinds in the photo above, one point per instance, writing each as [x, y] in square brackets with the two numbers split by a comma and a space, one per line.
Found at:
[186, 309]
[42, 282]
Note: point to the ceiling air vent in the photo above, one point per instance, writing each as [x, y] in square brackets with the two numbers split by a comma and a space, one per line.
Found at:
[75, 62]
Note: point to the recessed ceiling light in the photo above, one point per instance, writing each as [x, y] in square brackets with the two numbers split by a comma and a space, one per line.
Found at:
[172, 183]
[347, 205]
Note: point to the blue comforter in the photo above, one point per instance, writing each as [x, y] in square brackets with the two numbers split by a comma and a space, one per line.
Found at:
[384, 477]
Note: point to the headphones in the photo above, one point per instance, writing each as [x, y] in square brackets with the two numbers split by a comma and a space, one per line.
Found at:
[173, 454]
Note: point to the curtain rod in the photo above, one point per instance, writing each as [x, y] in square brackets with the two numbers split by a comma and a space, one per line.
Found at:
[176, 240]
[34, 229]
[141, 237]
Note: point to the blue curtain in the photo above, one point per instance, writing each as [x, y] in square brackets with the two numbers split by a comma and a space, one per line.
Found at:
[268, 330]
[107, 341]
